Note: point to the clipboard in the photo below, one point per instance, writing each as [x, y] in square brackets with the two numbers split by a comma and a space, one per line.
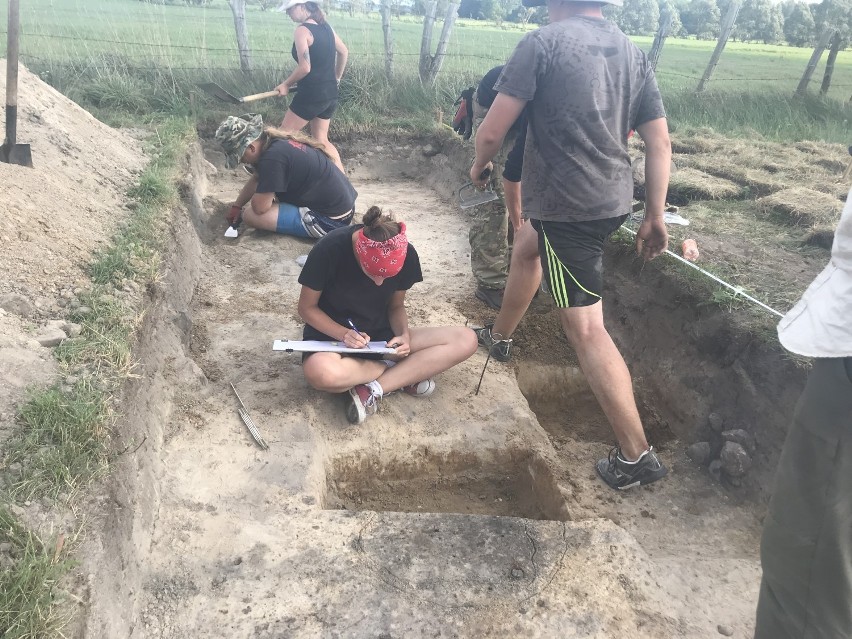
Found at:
[317, 346]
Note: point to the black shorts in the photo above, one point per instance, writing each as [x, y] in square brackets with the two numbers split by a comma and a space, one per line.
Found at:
[572, 258]
[308, 108]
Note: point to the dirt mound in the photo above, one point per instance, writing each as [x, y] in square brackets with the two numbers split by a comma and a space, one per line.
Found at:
[53, 216]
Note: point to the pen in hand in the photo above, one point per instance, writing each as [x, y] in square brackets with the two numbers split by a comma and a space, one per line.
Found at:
[354, 328]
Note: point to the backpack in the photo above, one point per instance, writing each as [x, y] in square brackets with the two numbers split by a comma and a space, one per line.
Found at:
[463, 120]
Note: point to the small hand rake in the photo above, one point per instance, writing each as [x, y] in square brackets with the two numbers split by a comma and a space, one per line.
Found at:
[249, 422]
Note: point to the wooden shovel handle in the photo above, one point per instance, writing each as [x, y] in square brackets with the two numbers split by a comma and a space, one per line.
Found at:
[260, 96]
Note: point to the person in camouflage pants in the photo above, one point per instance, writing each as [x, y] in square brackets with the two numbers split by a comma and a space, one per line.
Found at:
[489, 224]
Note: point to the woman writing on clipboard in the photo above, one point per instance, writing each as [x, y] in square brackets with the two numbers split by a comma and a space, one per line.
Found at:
[353, 291]
[320, 57]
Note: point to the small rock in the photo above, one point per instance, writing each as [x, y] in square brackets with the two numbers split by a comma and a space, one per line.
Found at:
[84, 310]
[741, 437]
[5, 547]
[699, 452]
[716, 422]
[735, 460]
[71, 329]
[17, 304]
[51, 336]
[724, 630]
[517, 573]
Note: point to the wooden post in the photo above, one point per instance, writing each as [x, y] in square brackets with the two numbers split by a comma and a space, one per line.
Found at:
[430, 64]
[660, 39]
[385, 11]
[238, 8]
[727, 26]
[829, 64]
[426, 41]
[815, 56]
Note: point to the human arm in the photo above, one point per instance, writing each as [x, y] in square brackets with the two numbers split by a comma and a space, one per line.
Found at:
[302, 39]
[313, 315]
[262, 202]
[652, 237]
[398, 318]
[512, 196]
[342, 57]
[246, 192]
[490, 134]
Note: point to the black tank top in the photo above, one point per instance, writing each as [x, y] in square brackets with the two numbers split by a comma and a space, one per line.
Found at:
[319, 85]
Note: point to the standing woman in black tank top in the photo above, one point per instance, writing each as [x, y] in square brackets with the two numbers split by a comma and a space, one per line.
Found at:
[321, 58]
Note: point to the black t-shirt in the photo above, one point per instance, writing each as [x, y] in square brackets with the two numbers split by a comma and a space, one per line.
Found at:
[320, 85]
[485, 95]
[347, 293]
[300, 175]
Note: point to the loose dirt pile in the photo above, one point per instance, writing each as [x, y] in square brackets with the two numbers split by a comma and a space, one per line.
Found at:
[52, 218]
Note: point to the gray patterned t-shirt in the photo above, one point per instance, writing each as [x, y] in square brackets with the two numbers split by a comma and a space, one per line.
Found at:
[588, 86]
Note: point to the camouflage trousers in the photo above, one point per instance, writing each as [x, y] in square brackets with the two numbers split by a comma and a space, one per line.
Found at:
[489, 227]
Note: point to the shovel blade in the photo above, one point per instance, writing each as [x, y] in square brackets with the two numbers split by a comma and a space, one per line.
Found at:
[16, 154]
[216, 91]
[470, 196]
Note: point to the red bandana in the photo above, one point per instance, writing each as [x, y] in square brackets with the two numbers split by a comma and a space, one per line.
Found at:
[382, 259]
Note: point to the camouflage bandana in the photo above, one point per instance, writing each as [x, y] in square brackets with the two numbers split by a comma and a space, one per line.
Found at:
[236, 133]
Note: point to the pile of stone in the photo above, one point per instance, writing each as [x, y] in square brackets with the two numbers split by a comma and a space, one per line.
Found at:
[727, 454]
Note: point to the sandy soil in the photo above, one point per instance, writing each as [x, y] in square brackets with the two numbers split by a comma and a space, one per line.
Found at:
[386, 530]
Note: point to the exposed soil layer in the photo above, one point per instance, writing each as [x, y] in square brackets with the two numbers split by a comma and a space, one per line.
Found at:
[456, 515]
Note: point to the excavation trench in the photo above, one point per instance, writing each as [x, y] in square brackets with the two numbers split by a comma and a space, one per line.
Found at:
[483, 507]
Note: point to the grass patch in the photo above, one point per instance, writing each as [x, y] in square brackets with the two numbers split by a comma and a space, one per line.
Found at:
[801, 206]
[688, 184]
[63, 442]
[30, 573]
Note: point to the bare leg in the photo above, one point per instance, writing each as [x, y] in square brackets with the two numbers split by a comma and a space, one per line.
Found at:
[606, 373]
[433, 350]
[336, 374]
[319, 131]
[292, 122]
[267, 221]
[522, 283]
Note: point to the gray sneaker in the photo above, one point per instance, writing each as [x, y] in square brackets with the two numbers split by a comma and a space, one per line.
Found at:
[500, 349]
[621, 474]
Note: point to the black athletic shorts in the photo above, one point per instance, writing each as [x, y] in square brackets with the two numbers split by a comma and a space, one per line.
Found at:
[572, 258]
[308, 109]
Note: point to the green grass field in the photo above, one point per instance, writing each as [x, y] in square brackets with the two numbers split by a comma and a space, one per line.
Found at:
[121, 45]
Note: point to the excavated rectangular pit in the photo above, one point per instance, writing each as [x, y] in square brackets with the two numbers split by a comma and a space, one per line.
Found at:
[504, 483]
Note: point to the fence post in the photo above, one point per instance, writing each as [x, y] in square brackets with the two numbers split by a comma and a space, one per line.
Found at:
[829, 64]
[660, 39]
[815, 56]
[238, 8]
[385, 11]
[727, 26]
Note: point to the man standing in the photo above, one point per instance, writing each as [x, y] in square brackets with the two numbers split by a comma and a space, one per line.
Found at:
[585, 86]
[806, 550]
[489, 232]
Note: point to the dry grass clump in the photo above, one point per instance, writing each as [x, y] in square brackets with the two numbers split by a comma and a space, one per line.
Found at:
[802, 206]
[689, 184]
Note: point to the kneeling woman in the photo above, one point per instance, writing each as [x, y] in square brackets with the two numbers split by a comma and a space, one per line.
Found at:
[353, 291]
[295, 186]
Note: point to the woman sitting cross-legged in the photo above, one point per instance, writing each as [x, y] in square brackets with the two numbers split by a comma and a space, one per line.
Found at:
[353, 291]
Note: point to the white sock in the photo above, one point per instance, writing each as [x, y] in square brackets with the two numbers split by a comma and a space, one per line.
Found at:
[378, 391]
[637, 460]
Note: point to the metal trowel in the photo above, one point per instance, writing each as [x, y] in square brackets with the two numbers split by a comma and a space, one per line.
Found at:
[470, 196]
